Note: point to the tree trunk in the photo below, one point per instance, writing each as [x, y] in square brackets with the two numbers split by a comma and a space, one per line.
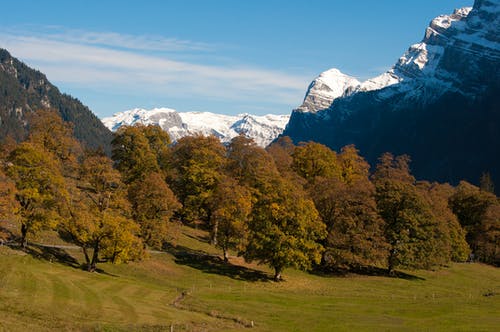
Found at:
[24, 232]
[277, 273]
[390, 263]
[215, 229]
[87, 258]
[95, 256]
[226, 255]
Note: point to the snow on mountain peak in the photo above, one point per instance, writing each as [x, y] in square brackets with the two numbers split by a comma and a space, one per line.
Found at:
[445, 21]
[328, 86]
[471, 30]
[262, 129]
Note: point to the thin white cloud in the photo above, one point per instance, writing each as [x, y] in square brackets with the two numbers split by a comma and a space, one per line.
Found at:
[113, 61]
[109, 39]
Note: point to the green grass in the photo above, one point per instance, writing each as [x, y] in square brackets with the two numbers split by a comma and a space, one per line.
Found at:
[192, 291]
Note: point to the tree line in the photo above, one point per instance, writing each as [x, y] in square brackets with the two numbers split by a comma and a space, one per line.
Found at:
[303, 206]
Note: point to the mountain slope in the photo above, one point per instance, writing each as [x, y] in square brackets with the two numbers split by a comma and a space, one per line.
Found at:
[26, 90]
[262, 129]
[440, 103]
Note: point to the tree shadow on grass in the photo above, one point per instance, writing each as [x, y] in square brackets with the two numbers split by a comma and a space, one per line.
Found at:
[366, 271]
[204, 238]
[52, 254]
[58, 255]
[7, 234]
[214, 264]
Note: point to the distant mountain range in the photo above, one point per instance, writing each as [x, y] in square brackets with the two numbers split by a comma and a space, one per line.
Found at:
[440, 103]
[262, 129]
[24, 90]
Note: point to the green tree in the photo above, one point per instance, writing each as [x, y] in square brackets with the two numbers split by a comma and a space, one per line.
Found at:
[153, 205]
[39, 185]
[231, 206]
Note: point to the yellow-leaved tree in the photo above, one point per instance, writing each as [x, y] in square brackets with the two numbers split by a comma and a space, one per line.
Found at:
[100, 217]
[231, 205]
[39, 185]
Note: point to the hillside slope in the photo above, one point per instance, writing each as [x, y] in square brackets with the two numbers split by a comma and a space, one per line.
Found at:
[26, 90]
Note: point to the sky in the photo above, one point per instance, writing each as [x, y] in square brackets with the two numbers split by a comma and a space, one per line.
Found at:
[222, 56]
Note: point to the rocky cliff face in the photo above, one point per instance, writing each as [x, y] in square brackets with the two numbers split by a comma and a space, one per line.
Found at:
[24, 90]
[262, 129]
[440, 103]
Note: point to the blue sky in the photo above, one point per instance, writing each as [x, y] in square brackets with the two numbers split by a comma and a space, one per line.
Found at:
[219, 56]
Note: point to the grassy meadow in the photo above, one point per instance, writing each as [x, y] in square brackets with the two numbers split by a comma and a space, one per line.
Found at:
[189, 288]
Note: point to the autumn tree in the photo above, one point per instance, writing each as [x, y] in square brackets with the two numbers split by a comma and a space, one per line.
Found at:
[412, 231]
[353, 167]
[9, 206]
[314, 159]
[282, 151]
[478, 212]
[284, 225]
[100, 214]
[7, 144]
[132, 153]
[355, 230]
[153, 205]
[452, 239]
[159, 144]
[231, 205]
[249, 163]
[39, 188]
[197, 166]
[285, 228]
[488, 236]
[486, 183]
[344, 196]
[393, 168]
[49, 132]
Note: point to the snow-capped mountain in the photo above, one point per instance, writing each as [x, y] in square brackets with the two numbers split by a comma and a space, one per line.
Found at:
[328, 86]
[436, 62]
[262, 129]
[439, 103]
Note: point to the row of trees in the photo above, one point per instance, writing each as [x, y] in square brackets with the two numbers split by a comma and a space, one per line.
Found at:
[287, 206]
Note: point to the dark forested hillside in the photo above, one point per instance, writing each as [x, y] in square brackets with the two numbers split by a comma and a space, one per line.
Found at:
[24, 90]
[451, 139]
